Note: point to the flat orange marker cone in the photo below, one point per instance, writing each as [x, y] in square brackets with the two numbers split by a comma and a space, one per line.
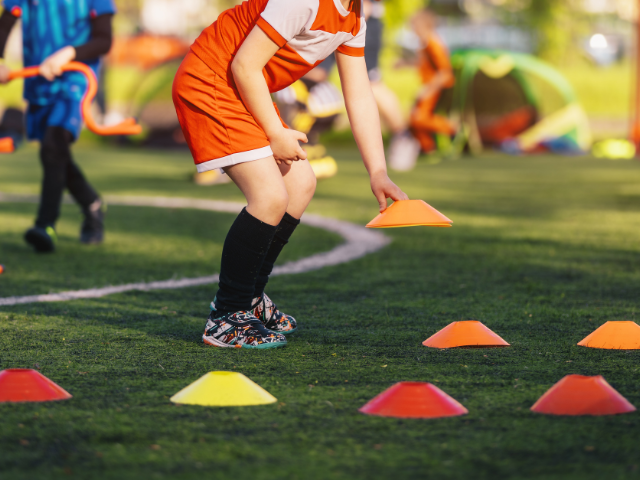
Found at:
[614, 336]
[223, 389]
[409, 213]
[580, 395]
[413, 400]
[26, 385]
[469, 333]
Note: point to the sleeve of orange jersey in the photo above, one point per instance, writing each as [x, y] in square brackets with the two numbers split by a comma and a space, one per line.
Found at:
[281, 20]
[439, 56]
[271, 32]
[355, 46]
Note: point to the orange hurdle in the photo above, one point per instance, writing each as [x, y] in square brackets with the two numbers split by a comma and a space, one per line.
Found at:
[126, 127]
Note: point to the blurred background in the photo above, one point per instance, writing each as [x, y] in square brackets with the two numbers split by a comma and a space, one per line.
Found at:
[515, 62]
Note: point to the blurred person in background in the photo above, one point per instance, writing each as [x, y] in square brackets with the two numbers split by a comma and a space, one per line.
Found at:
[434, 64]
[316, 82]
[56, 32]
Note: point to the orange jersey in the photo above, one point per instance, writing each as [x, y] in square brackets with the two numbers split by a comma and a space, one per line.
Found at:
[434, 58]
[307, 31]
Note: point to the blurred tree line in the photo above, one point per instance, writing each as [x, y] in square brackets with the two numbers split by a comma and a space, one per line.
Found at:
[555, 24]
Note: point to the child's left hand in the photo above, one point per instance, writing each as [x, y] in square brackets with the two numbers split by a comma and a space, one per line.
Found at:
[383, 188]
[52, 65]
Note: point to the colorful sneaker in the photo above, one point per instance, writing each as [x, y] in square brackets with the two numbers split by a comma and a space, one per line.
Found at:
[272, 318]
[42, 239]
[240, 330]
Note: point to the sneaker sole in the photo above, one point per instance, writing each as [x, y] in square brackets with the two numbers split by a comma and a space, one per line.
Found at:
[288, 332]
[40, 243]
[264, 346]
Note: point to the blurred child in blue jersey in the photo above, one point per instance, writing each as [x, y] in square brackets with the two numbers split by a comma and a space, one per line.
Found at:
[54, 33]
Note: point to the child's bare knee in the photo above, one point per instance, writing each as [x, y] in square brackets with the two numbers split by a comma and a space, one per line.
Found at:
[278, 201]
[306, 184]
[310, 185]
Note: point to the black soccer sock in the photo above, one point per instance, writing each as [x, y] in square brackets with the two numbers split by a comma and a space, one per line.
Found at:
[60, 171]
[285, 229]
[243, 254]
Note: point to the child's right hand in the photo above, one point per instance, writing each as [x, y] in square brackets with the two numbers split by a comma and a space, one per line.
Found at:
[286, 147]
[4, 74]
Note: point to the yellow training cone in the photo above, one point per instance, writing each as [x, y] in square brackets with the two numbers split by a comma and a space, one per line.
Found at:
[223, 389]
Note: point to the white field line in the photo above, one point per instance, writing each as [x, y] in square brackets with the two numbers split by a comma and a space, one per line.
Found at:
[359, 242]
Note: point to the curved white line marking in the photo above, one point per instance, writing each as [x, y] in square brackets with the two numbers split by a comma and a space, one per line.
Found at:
[359, 242]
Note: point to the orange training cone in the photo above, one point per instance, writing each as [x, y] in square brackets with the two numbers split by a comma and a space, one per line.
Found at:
[469, 333]
[580, 395]
[413, 400]
[614, 336]
[26, 385]
[409, 213]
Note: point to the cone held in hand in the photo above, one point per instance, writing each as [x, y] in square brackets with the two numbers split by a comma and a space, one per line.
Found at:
[223, 389]
[468, 333]
[413, 400]
[580, 395]
[409, 213]
[614, 336]
[27, 385]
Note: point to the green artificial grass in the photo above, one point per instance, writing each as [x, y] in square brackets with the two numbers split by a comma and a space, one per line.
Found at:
[543, 251]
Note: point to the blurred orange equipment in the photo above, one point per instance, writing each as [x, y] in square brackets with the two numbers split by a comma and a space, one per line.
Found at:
[147, 51]
[7, 146]
[1, 269]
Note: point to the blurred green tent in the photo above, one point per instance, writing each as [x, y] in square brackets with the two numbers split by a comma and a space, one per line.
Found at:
[515, 101]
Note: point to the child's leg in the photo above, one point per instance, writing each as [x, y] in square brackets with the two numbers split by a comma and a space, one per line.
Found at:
[251, 234]
[300, 183]
[59, 172]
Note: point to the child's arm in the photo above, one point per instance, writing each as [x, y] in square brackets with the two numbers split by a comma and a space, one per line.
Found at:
[247, 67]
[7, 21]
[98, 45]
[365, 122]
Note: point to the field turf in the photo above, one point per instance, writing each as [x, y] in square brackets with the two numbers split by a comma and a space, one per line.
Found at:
[543, 251]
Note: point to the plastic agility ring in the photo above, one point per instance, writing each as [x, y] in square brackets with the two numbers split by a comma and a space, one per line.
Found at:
[127, 127]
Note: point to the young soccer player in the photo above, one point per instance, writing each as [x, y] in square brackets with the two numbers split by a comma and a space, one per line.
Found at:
[55, 32]
[437, 75]
[221, 94]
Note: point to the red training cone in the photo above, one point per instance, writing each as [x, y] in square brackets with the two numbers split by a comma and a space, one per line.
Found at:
[469, 333]
[614, 336]
[580, 395]
[26, 385]
[413, 400]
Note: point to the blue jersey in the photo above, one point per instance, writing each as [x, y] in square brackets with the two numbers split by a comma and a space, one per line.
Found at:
[48, 26]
